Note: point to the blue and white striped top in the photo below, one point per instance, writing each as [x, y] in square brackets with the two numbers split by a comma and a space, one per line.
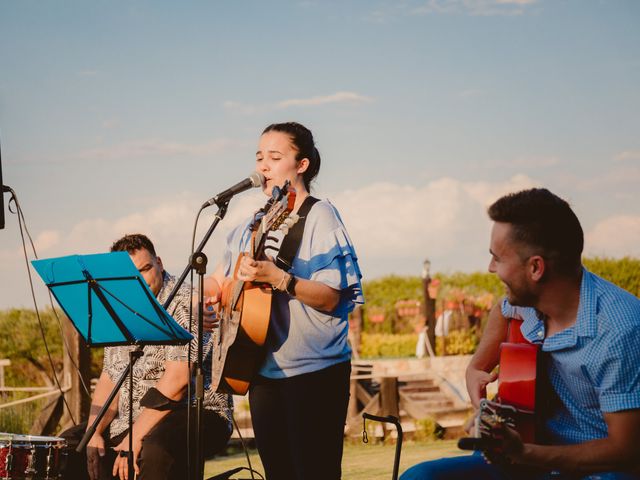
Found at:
[302, 339]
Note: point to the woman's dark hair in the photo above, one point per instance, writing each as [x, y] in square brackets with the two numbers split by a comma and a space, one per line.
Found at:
[302, 138]
[132, 242]
[546, 224]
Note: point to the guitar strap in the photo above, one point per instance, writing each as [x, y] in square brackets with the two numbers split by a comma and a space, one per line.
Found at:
[291, 242]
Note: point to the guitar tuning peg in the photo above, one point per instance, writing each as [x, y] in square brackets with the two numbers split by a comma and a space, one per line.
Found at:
[294, 217]
[285, 228]
[288, 222]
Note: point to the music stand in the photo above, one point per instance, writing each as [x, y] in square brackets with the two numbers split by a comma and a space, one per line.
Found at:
[110, 304]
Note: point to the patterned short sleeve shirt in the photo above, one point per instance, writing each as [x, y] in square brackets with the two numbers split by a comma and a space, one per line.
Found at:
[151, 366]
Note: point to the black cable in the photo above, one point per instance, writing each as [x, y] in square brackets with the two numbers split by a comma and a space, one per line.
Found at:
[244, 447]
[20, 214]
[189, 387]
[14, 199]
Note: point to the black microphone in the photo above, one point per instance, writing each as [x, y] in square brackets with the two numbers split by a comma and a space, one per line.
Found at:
[256, 179]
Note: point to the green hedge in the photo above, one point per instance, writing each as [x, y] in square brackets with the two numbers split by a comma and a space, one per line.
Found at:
[471, 284]
[380, 345]
[381, 296]
[482, 288]
[458, 342]
[389, 345]
[624, 272]
[22, 343]
[22, 339]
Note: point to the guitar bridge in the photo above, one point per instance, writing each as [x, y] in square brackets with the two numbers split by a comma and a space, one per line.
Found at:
[495, 415]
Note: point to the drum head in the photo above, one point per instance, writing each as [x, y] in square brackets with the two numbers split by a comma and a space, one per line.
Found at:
[16, 439]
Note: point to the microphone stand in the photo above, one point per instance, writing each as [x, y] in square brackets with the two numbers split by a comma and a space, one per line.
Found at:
[198, 262]
[220, 214]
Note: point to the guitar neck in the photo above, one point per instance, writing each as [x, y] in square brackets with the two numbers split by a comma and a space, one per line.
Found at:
[257, 244]
[276, 212]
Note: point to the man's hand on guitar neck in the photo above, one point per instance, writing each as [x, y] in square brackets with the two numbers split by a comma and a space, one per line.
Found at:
[477, 381]
[211, 300]
[480, 370]
[210, 317]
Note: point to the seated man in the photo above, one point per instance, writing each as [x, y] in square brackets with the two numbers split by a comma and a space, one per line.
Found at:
[589, 332]
[160, 382]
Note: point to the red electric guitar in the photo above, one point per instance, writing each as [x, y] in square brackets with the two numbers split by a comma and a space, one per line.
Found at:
[253, 300]
[518, 399]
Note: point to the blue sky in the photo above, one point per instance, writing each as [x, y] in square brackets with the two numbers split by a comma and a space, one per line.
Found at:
[119, 116]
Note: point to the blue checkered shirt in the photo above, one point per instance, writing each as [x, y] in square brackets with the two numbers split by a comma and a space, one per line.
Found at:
[593, 366]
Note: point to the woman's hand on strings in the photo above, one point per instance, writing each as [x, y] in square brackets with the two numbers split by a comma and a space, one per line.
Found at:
[265, 271]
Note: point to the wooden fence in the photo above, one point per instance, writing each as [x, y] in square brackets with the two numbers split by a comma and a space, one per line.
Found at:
[68, 402]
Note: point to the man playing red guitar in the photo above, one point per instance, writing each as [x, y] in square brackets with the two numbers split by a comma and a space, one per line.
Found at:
[589, 333]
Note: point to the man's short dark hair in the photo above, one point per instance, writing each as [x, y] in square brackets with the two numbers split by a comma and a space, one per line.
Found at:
[544, 222]
[132, 242]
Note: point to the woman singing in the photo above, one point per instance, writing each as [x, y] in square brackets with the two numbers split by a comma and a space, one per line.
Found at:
[299, 397]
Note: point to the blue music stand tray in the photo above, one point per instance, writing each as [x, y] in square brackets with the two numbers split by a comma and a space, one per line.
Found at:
[108, 301]
[109, 304]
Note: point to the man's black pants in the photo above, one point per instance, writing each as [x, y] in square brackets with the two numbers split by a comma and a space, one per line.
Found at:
[164, 448]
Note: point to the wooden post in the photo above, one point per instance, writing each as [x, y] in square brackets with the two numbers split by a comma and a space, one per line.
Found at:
[389, 396]
[355, 331]
[4, 362]
[389, 399]
[77, 398]
[47, 421]
[430, 293]
[352, 409]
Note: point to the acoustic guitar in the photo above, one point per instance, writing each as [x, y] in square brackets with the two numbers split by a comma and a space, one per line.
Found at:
[252, 300]
[518, 399]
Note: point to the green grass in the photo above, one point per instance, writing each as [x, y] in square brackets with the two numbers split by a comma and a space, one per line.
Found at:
[19, 418]
[359, 462]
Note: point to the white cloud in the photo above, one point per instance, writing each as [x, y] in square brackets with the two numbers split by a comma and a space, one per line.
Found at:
[110, 123]
[242, 108]
[154, 147]
[525, 162]
[445, 219]
[473, 7]
[44, 243]
[46, 240]
[617, 179]
[390, 10]
[627, 155]
[339, 97]
[394, 227]
[516, 2]
[616, 236]
[343, 97]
